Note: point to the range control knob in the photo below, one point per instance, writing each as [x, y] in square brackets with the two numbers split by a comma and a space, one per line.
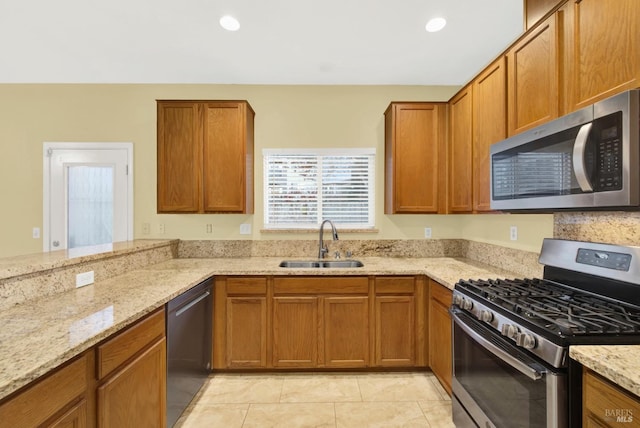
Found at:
[486, 316]
[467, 304]
[526, 340]
[457, 300]
[509, 330]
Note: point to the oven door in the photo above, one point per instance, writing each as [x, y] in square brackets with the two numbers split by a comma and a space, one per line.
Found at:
[495, 384]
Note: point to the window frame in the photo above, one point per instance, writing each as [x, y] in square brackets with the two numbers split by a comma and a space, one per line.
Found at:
[369, 152]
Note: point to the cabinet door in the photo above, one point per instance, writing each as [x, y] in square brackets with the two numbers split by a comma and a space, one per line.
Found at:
[136, 394]
[46, 399]
[76, 417]
[489, 125]
[295, 332]
[461, 152]
[413, 155]
[440, 358]
[346, 331]
[179, 157]
[246, 332]
[533, 78]
[605, 404]
[395, 331]
[228, 156]
[606, 49]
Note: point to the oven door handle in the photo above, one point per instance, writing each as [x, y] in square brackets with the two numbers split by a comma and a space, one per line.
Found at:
[521, 366]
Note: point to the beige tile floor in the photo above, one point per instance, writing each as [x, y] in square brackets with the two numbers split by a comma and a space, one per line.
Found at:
[340, 400]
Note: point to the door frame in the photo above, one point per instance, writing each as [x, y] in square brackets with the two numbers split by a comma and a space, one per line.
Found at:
[46, 182]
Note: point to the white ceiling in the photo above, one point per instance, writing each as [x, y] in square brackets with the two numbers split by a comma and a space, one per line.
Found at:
[279, 42]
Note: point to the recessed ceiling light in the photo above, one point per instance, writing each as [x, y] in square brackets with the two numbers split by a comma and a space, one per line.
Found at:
[435, 24]
[229, 23]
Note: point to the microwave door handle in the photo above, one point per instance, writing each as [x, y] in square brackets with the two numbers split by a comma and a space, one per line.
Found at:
[579, 148]
[521, 366]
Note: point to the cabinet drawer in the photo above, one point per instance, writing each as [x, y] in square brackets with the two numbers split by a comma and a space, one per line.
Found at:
[395, 285]
[321, 285]
[47, 397]
[607, 402]
[115, 351]
[247, 286]
[440, 293]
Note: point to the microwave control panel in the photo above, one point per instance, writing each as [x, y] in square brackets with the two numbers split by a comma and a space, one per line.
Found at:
[608, 174]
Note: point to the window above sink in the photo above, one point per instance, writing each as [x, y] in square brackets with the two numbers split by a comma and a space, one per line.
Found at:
[303, 186]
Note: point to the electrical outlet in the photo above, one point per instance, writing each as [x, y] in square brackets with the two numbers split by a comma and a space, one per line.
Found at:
[161, 228]
[427, 232]
[146, 228]
[209, 228]
[514, 233]
[245, 229]
[84, 278]
[35, 233]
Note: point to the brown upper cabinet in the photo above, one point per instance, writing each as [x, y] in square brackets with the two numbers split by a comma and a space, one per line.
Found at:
[477, 119]
[585, 51]
[603, 49]
[534, 72]
[461, 151]
[489, 127]
[534, 10]
[574, 53]
[205, 157]
[415, 158]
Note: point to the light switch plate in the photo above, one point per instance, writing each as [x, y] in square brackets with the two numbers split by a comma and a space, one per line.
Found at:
[245, 229]
[84, 278]
[427, 232]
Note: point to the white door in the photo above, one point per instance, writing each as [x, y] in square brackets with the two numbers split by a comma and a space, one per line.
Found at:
[88, 196]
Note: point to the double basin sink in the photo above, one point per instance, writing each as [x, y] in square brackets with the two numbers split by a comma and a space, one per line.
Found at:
[308, 264]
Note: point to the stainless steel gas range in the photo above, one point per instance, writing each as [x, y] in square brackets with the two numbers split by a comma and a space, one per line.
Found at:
[511, 338]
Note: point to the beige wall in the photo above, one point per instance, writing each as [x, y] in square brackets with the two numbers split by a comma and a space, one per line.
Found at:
[286, 116]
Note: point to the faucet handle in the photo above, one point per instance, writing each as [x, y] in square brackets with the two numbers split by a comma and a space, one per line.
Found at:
[348, 254]
[323, 250]
[336, 255]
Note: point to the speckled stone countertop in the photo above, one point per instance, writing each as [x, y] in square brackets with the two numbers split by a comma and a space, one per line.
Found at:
[40, 334]
[618, 363]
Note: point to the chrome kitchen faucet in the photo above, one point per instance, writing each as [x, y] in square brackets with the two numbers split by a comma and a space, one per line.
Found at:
[322, 249]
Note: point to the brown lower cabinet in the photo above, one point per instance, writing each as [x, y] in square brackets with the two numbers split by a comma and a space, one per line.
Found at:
[295, 331]
[246, 320]
[308, 322]
[346, 331]
[440, 355]
[59, 399]
[120, 382]
[607, 405]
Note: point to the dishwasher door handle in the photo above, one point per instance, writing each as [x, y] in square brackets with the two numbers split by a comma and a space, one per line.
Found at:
[192, 303]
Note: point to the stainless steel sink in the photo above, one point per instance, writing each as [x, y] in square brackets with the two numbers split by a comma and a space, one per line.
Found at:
[321, 264]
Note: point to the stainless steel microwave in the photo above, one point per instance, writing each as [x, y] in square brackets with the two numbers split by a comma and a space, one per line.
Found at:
[589, 159]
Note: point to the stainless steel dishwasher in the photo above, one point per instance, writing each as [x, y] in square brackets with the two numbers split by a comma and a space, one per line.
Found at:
[189, 337]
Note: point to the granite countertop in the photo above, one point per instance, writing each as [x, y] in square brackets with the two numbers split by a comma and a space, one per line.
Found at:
[618, 363]
[41, 334]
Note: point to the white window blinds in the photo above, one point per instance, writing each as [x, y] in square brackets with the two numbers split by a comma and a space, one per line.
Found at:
[304, 186]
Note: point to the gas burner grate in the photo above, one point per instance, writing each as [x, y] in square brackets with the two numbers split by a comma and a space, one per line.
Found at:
[562, 310]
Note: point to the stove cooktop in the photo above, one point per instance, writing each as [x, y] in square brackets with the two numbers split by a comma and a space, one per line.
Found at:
[556, 309]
